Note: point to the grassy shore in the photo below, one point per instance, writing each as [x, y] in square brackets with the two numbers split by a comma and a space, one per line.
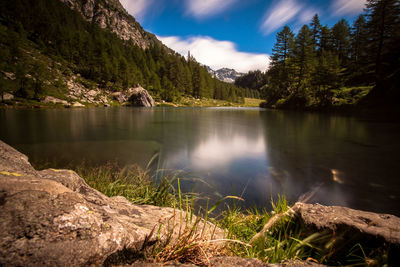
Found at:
[205, 102]
[183, 102]
[284, 241]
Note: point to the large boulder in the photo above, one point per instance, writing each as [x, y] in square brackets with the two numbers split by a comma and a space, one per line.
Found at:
[365, 225]
[7, 96]
[53, 217]
[347, 227]
[139, 97]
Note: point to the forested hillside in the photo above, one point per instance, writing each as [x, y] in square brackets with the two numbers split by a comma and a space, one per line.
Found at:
[43, 42]
[323, 66]
[252, 82]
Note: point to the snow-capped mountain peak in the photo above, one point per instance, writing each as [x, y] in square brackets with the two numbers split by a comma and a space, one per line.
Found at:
[225, 74]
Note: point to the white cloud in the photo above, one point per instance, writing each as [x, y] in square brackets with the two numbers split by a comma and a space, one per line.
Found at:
[347, 7]
[279, 14]
[217, 54]
[307, 15]
[136, 8]
[206, 8]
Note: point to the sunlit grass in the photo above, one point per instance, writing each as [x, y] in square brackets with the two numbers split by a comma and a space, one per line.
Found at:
[271, 236]
[131, 182]
[206, 102]
[252, 102]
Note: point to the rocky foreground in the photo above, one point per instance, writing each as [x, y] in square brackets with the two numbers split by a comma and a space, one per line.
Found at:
[53, 218]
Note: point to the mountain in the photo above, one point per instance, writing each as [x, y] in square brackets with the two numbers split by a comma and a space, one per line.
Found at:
[86, 51]
[110, 14]
[225, 74]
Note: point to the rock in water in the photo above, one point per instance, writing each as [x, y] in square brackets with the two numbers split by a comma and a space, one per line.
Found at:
[139, 97]
[53, 218]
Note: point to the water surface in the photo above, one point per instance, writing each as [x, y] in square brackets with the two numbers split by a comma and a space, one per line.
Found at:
[255, 153]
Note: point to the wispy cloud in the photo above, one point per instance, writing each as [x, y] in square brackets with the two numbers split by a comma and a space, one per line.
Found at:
[137, 8]
[306, 15]
[280, 13]
[347, 7]
[207, 8]
[217, 54]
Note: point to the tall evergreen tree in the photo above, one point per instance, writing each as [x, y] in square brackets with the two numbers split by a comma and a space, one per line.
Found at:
[315, 27]
[283, 47]
[304, 57]
[383, 30]
[341, 40]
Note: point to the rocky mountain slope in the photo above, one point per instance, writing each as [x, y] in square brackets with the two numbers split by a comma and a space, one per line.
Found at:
[110, 14]
[81, 51]
[225, 74]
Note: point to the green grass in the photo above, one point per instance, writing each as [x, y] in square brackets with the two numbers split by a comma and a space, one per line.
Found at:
[350, 95]
[283, 241]
[133, 183]
[271, 236]
[252, 102]
[205, 102]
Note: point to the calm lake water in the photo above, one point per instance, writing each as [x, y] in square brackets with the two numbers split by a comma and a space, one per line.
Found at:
[255, 153]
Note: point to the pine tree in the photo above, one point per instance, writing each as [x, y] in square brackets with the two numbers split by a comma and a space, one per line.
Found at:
[282, 68]
[304, 57]
[358, 67]
[315, 27]
[326, 39]
[341, 40]
[283, 47]
[383, 30]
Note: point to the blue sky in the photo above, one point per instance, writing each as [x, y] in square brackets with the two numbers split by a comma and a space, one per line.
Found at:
[236, 34]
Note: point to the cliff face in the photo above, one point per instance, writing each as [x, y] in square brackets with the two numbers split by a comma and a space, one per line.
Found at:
[110, 14]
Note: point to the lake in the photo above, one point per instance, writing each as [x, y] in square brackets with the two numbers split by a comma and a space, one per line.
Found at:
[249, 152]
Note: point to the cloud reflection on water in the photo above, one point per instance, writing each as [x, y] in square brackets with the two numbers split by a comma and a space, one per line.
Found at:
[219, 152]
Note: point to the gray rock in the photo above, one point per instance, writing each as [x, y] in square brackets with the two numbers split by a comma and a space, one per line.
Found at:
[120, 97]
[53, 218]
[7, 96]
[77, 105]
[92, 93]
[139, 97]
[111, 14]
[50, 99]
[369, 225]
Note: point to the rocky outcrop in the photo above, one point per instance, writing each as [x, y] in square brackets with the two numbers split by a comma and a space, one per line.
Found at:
[110, 14]
[139, 97]
[53, 218]
[53, 100]
[343, 228]
[120, 97]
[77, 91]
[7, 96]
[368, 225]
[77, 105]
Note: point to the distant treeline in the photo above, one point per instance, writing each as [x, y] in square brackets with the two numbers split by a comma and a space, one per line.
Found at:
[313, 67]
[97, 55]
